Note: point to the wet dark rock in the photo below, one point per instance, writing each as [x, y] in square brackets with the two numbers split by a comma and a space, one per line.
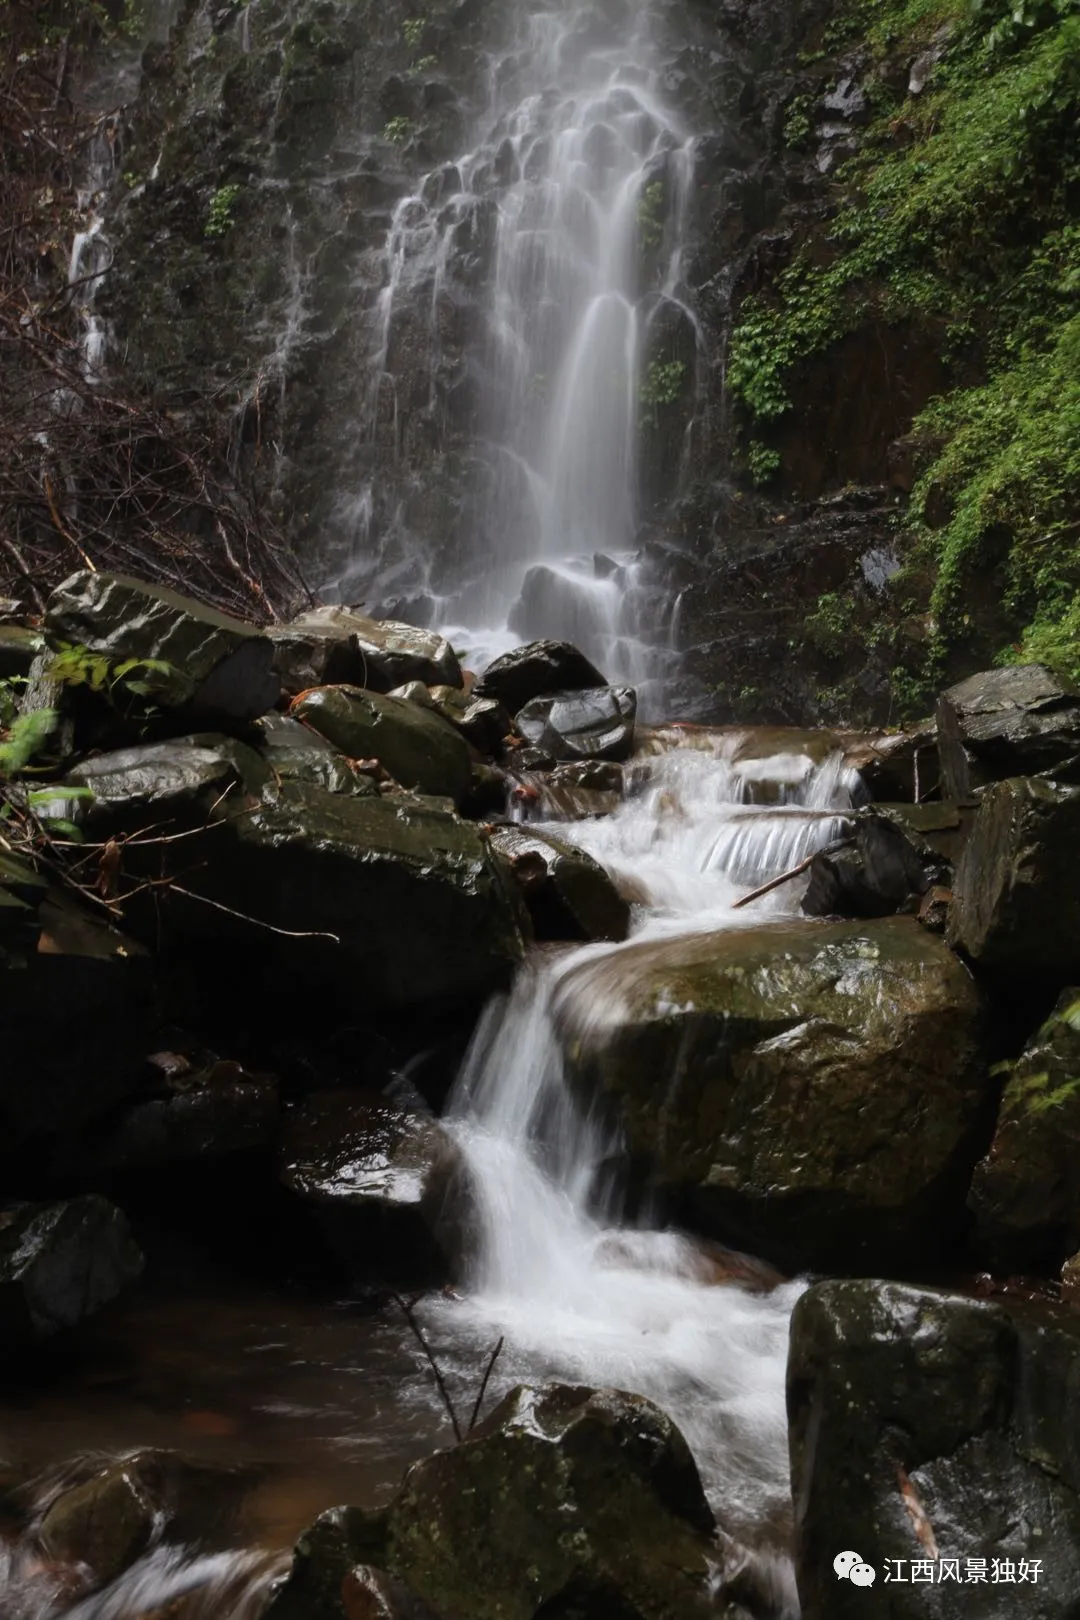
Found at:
[482, 720]
[417, 746]
[60, 1263]
[1017, 721]
[489, 787]
[108, 1520]
[568, 894]
[419, 909]
[1026, 1193]
[219, 1113]
[536, 670]
[590, 725]
[900, 765]
[19, 646]
[939, 830]
[371, 1594]
[296, 753]
[926, 1425]
[333, 645]
[384, 1178]
[829, 1099]
[76, 1004]
[340, 1540]
[874, 874]
[217, 665]
[159, 781]
[1017, 887]
[528, 1517]
[531, 759]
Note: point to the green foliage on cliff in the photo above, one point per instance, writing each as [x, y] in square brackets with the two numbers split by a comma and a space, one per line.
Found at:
[957, 217]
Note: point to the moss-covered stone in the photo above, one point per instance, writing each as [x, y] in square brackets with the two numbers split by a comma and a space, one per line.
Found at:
[416, 904]
[813, 1091]
[1026, 1193]
[1017, 888]
[565, 1501]
[926, 1425]
[418, 748]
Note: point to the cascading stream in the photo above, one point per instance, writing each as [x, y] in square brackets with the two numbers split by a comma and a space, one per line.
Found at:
[577, 191]
[579, 1292]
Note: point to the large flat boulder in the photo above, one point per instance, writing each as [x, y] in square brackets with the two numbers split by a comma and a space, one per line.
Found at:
[217, 665]
[936, 1437]
[1016, 893]
[814, 1092]
[1016, 721]
[416, 746]
[328, 645]
[59, 1264]
[536, 670]
[1025, 1193]
[158, 781]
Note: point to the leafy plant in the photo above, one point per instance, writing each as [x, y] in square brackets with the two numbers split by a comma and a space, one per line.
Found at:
[412, 30]
[663, 383]
[220, 220]
[650, 215]
[398, 130]
[762, 463]
[75, 665]
[26, 736]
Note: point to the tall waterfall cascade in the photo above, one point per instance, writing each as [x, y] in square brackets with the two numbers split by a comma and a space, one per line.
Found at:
[575, 198]
[581, 1291]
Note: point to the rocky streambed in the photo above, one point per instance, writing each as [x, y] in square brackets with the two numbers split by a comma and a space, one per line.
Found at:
[370, 991]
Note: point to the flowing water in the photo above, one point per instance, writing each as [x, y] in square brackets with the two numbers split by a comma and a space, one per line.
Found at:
[577, 187]
[578, 1291]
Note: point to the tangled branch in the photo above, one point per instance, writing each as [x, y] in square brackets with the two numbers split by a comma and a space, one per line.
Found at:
[91, 473]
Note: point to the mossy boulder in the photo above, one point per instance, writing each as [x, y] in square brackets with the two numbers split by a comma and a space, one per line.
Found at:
[296, 753]
[1016, 902]
[417, 746]
[415, 904]
[813, 1091]
[565, 1501]
[107, 1520]
[1026, 1193]
[928, 1426]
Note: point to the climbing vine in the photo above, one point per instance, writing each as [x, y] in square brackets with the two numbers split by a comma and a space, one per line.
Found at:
[957, 216]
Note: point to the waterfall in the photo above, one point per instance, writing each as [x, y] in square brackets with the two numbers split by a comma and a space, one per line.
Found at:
[580, 1291]
[574, 201]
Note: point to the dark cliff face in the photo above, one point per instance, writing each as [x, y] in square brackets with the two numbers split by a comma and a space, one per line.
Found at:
[268, 150]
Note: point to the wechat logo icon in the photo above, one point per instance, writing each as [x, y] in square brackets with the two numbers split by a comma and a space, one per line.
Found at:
[850, 1567]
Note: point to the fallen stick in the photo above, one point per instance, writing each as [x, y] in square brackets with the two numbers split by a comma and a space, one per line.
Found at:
[773, 883]
[795, 871]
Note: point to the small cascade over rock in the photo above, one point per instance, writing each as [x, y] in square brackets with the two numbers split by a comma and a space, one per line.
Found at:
[583, 1287]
